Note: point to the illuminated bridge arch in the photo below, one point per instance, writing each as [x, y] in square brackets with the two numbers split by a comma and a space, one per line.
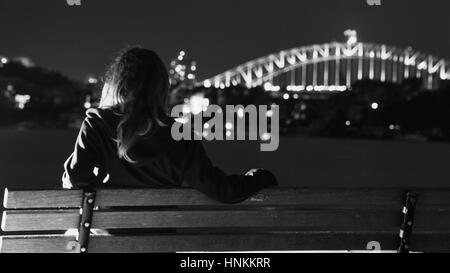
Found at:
[334, 67]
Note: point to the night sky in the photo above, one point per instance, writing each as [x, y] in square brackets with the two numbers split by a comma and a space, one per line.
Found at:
[218, 34]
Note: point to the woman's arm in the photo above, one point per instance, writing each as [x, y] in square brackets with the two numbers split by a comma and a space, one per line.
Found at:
[202, 175]
[79, 167]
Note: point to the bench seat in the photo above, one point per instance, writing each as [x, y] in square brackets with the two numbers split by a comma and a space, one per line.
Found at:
[184, 220]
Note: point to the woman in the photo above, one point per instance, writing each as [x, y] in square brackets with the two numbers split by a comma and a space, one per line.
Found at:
[127, 140]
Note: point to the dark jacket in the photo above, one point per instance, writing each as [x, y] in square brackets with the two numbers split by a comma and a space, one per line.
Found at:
[161, 162]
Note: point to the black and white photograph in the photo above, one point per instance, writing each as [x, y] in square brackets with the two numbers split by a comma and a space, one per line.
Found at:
[237, 128]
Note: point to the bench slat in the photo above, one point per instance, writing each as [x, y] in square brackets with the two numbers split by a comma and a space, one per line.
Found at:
[282, 242]
[422, 242]
[236, 218]
[68, 219]
[189, 197]
[30, 220]
[42, 199]
[195, 242]
[39, 244]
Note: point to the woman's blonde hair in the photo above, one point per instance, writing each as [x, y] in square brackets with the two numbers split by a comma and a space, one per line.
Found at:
[136, 87]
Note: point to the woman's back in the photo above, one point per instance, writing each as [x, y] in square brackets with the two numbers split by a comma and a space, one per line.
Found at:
[159, 162]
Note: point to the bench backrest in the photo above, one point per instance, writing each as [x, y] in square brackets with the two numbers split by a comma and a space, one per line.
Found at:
[280, 219]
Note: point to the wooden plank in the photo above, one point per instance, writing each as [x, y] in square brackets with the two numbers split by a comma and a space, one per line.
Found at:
[31, 220]
[27, 220]
[298, 241]
[195, 242]
[39, 244]
[244, 218]
[42, 199]
[45, 220]
[190, 197]
[305, 241]
[268, 197]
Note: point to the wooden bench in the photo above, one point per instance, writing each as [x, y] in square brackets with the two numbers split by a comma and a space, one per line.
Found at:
[279, 219]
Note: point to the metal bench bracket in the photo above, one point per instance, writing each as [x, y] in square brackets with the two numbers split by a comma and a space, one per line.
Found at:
[408, 222]
[86, 213]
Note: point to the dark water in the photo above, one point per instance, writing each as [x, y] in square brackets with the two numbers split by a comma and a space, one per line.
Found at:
[33, 159]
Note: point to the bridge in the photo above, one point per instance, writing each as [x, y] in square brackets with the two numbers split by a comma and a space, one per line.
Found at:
[334, 67]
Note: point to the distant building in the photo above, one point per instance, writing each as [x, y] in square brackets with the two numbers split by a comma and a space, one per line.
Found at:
[183, 70]
[25, 61]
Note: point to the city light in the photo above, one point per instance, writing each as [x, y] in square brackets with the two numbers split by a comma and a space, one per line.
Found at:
[348, 123]
[229, 126]
[186, 109]
[182, 120]
[286, 96]
[352, 37]
[374, 105]
[92, 80]
[196, 105]
[22, 100]
[265, 137]
[240, 113]
[4, 60]
[393, 127]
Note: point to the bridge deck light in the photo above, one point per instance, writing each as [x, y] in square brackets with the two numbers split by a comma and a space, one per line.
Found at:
[207, 84]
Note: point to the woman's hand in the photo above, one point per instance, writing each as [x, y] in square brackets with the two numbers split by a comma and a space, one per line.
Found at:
[252, 172]
[263, 175]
